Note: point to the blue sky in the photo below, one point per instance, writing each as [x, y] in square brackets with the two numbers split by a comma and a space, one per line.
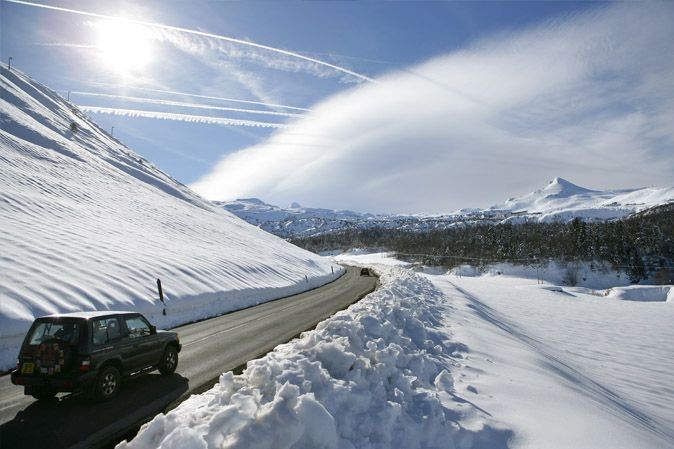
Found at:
[439, 59]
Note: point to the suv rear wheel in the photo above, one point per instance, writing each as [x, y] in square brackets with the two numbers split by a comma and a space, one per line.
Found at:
[169, 362]
[107, 384]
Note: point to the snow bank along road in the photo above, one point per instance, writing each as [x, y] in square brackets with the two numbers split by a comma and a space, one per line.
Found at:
[210, 347]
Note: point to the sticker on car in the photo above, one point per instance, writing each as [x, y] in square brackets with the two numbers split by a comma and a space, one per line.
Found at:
[28, 368]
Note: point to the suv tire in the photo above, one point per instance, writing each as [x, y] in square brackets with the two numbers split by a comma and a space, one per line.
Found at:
[42, 393]
[107, 384]
[169, 361]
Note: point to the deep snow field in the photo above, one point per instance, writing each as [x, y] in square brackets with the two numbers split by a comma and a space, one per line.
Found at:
[87, 224]
[441, 361]
[564, 368]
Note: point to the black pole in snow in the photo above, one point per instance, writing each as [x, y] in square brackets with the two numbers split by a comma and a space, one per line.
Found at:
[9, 64]
[161, 295]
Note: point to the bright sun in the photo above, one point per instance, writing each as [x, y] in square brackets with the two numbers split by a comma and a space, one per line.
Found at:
[124, 46]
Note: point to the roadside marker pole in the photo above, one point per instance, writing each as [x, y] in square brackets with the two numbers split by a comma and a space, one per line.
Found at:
[161, 296]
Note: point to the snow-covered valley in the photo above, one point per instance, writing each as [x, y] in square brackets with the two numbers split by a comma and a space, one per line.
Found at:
[442, 361]
[87, 224]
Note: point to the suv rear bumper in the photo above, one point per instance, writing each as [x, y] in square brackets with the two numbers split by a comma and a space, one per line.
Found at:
[58, 383]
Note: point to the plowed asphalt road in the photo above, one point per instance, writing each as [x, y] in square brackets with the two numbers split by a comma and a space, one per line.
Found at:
[210, 347]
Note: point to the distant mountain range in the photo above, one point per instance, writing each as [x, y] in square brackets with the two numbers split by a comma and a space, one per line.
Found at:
[560, 200]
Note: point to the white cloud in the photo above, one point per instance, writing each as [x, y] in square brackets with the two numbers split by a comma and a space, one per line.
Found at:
[589, 97]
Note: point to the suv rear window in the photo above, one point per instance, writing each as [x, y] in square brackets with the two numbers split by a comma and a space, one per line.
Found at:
[66, 330]
[105, 330]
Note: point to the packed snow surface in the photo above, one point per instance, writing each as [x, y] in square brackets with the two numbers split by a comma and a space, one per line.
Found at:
[87, 224]
[560, 200]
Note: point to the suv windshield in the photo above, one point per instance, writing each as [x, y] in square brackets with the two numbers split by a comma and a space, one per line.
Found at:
[65, 330]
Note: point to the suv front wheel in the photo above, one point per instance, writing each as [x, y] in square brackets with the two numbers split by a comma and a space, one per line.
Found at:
[107, 384]
[169, 361]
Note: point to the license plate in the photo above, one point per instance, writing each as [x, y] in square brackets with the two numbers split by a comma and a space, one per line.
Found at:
[28, 368]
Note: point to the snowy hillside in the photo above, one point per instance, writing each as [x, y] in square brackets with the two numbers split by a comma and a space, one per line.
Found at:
[88, 224]
[559, 200]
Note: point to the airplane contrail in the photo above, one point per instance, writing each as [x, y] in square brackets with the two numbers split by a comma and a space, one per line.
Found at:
[185, 105]
[197, 33]
[180, 117]
[208, 97]
[63, 44]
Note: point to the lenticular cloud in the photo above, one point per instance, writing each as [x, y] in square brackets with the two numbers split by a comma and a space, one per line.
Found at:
[590, 96]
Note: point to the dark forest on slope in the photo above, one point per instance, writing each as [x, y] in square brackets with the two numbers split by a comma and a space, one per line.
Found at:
[641, 245]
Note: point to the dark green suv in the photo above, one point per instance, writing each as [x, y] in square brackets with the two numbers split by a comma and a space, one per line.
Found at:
[91, 352]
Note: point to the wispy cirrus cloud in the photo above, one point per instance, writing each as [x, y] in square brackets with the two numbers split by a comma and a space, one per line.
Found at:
[180, 35]
[588, 97]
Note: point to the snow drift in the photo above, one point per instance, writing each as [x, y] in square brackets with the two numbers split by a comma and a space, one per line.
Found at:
[87, 224]
[378, 375]
[658, 293]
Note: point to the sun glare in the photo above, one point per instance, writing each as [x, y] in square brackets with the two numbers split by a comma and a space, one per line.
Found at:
[124, 46]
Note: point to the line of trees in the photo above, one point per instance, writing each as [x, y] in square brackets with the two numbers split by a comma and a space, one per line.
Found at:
[640, 245]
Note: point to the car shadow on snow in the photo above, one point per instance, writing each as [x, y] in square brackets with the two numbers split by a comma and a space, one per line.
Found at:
[73, 419]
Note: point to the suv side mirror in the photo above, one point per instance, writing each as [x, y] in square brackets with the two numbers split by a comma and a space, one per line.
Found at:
[153, 330]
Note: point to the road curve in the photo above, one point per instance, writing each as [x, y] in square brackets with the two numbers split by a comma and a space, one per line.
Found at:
[210, 347]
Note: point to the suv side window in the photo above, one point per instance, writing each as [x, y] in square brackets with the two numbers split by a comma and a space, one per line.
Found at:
[105, 330]
[137, 326]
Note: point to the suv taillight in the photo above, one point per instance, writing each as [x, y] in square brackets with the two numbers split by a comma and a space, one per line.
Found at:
[85, 364]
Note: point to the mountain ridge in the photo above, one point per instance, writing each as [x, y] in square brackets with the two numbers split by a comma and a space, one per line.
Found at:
[559, 200]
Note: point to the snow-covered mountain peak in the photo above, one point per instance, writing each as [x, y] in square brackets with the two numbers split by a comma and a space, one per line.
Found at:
[560, 187]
